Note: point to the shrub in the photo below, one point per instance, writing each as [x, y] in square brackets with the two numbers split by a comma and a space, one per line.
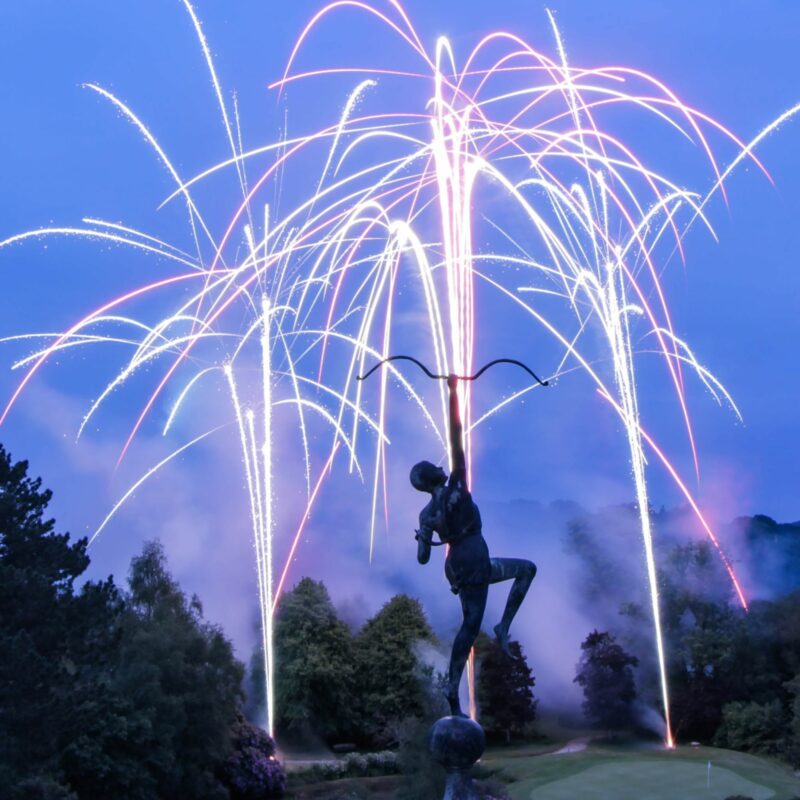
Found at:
[353, 765]
[252, 772]
[754, 727]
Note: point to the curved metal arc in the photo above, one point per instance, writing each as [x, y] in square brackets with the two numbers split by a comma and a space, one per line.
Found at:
[459, 377]
[506, 361]
[401, 358]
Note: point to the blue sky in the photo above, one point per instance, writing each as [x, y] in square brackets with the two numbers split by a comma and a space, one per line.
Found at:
[65, 154]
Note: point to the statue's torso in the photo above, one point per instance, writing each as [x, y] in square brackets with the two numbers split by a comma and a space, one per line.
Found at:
[452, 513]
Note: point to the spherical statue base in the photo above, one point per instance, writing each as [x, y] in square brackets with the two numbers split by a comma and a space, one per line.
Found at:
[457, 743]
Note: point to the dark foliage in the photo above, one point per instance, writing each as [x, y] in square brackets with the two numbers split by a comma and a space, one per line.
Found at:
[755, 727]
[252, 772]
[605, 672]
[180, 672]
[344, 688]
[720, 655]
[792, 742]
[422, 776]
[64, 728]
[314, 687]
[390, 684]
[103, 694]
[705, 668]
[504, 689]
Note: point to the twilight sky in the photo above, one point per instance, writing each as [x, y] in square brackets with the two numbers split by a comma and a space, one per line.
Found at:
[66, 154]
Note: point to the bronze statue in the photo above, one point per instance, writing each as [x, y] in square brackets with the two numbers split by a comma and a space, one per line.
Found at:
[453, 514]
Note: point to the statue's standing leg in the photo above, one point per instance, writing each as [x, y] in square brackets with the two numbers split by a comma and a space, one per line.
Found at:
[473, 604]
[522, 572]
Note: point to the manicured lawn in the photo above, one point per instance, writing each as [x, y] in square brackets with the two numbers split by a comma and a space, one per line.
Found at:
[603, 772]
[648, 779]
[618, 773]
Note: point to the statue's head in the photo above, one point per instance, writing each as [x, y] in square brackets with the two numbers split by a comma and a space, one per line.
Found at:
[427, 477]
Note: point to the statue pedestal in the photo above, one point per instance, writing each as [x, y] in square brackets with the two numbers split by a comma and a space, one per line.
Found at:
[457, 743]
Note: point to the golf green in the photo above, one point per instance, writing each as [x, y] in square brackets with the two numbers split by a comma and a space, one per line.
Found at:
[652, 780]
[624, 771]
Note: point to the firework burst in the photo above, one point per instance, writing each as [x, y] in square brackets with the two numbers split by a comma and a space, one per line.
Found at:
[393, 202]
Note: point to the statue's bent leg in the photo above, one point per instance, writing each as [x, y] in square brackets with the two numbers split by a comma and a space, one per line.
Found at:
[522, 572]
[473, 604]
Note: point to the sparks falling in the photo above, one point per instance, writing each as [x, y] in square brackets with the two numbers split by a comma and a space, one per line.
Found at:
[581, 229]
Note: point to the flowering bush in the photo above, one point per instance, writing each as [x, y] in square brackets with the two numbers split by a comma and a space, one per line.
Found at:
[253, 772]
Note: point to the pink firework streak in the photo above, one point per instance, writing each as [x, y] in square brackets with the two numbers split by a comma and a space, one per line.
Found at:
[597, 273]
[328, 273]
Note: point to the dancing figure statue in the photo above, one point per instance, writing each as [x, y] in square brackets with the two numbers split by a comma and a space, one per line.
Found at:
[453, 514]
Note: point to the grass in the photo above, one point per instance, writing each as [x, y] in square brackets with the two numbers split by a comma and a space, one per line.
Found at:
[380, 788]
[605, 772]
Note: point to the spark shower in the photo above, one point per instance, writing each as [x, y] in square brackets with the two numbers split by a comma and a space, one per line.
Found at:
[294, 298]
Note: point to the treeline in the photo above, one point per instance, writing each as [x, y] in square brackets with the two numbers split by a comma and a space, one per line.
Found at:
[127, 691]
[369, 688]
[111, 692]
[733, 675]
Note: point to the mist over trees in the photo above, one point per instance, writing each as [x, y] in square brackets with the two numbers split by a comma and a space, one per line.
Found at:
[111, 690]
[772, 550]
[732, 675]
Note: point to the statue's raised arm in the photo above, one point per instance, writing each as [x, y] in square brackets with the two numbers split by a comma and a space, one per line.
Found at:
[458, 460]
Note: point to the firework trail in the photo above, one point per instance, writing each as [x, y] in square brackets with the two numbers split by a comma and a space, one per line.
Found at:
[598, 233]
[396, 202]
[202, 339]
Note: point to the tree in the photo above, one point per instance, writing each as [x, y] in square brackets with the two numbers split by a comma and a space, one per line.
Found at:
[792, 743]
[63, 729]
[772, 629]
[753, 727]
[391, 682]
[707, 667]
[605, 672]
[103, 694]
[314, 686]
[504, 689]
[180, 673]
[708, 655]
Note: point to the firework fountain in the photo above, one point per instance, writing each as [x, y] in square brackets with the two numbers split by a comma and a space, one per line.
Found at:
[262, 285]
[599, 274]
[328, 273]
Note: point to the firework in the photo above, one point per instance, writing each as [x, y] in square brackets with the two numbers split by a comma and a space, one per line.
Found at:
[395, 204]
[597, 213]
